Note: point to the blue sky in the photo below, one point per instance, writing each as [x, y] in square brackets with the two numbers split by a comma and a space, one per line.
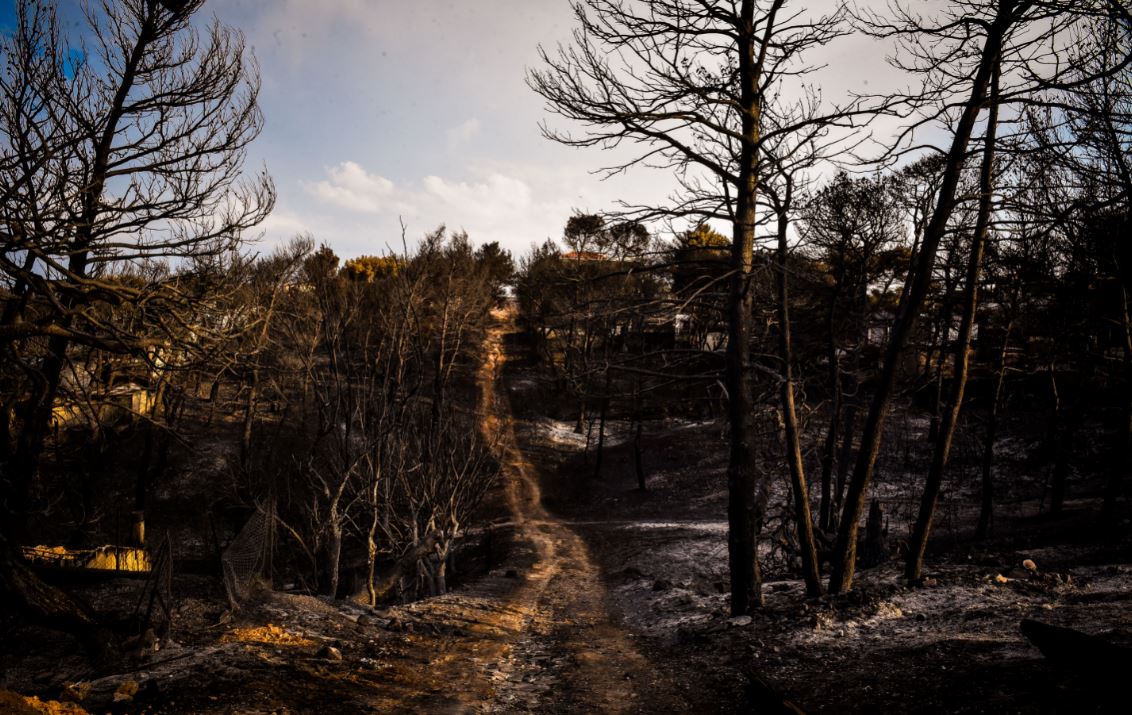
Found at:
[382, 111]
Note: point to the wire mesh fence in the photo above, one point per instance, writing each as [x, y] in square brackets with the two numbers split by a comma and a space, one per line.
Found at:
[247, 561]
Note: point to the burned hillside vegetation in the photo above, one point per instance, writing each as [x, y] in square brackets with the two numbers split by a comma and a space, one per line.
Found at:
[840, 421]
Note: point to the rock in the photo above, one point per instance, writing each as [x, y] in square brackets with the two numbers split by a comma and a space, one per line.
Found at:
[740, 621]
[76, 692]
[329, 652]
[126, 691]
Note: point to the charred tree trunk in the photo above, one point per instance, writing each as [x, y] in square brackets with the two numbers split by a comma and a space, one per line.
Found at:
[848, 428]
[742, 515]
[249, 419]
[802, 515]
[333, 554]
[918, 543]
[1059, 483]
[638, 457]
[440, 573]
[845, 550]
[829, 448]
[601, 428]
[638, 428]
[384, 586]
[24, 465]
[371, 540]
[937, 382]
[1119, 459]
[1063, 430]
[874, 552]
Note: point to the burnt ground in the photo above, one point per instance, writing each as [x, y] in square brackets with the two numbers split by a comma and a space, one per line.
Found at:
[531, 634]
[597, 597]
[953, 646]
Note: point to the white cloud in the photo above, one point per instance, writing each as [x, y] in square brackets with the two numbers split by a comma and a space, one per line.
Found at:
[491, 205]
[357, 210]
[351, 187]
[463, 132]
[495, 195]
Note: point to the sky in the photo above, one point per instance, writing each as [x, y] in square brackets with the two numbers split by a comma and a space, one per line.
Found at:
[380, 112]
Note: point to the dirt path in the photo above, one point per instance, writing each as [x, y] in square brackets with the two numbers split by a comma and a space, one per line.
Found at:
[535, 634]
[567, 655]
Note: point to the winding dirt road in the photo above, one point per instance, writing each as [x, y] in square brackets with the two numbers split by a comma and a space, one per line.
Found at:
[568, 637]
[539, 637]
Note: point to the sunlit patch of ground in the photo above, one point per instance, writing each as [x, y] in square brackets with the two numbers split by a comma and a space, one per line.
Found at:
[269, 634]
[15, 704]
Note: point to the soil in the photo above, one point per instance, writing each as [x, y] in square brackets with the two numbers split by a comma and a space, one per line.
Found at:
[600, 597]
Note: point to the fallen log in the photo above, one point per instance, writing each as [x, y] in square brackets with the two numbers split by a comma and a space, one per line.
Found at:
[1078, 651]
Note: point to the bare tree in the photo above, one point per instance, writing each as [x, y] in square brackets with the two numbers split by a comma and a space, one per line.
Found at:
[117, 153]
[962, 359]
[685, 82]
[848, 224]
[130, 151]
[957, 72]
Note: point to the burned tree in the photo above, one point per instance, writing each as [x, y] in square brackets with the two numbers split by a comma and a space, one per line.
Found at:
[686, 83]
[958, 75]
[130, 152]
[114, 158]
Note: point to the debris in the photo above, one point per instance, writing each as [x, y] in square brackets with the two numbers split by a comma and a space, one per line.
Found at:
[76, 692]
[329, 652]
[126, 691]
[103, 558]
